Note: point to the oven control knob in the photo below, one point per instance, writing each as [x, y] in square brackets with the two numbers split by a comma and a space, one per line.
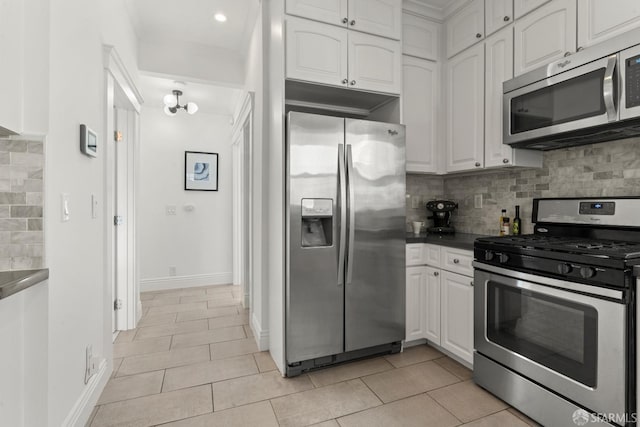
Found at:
[564, 268]
[504, 258]
[488, 255]
[587, 272]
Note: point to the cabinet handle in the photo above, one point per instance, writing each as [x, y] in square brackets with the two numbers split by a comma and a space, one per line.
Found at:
[456, 261]
[471, 283]
[345, 20]
[353, 82]
[477, 164]
[506, 19]
[505, 161]
[353, 23]
[579, 48]
[478, 36]
[345, 81]
[435, 273]
[567, 54]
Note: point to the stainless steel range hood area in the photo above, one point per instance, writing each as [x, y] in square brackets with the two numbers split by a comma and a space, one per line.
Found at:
[591, 96]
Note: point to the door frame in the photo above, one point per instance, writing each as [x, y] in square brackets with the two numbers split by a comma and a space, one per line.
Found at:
[117, 77]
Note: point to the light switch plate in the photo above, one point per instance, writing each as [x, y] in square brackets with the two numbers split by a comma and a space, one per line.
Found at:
[477, 201]
[65, 213]
[94, 206]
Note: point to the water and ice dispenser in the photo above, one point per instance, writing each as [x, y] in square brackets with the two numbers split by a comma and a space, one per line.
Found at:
[317, 222]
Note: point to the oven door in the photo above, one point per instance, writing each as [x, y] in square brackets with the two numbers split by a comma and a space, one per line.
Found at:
[564, 340]
[580, 98]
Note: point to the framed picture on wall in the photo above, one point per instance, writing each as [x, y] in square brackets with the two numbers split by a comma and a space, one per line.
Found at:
[200, 171]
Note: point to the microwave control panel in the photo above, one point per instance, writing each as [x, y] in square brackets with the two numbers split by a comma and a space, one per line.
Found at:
[632, 89]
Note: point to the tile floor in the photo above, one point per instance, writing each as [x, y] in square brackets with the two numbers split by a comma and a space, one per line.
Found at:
[193, 362]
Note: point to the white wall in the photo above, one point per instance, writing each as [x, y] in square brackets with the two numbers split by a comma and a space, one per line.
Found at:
[197, 243]
[79, 310]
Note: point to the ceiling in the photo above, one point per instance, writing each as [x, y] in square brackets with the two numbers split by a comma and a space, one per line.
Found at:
[436, 4]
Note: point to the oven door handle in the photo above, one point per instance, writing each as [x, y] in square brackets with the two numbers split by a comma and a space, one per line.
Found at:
[548, 283]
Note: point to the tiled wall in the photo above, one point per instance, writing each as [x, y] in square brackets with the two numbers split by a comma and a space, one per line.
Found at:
[421, 189]
[605, 169]
[21, 204]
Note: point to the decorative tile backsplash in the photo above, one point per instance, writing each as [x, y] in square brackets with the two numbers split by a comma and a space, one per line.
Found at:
[21, 204]
[604, 169]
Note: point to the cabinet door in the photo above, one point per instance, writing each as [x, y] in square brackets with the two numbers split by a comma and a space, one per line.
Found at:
[420, 37]
[497, 14]
[379, 17]
[329, 11]
[465, 110]
[420, 81]
[545, 35]
[316, 52]
[415, 298]
[457, 315]
[599, 20]
[522, 7]
[465, 28]
[375, 63]
[432, 305]
[415, 254]
[498, 68]
[11, 75]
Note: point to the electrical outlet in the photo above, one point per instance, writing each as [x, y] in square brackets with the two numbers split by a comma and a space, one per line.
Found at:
[415, 202]
[172, 271]
[171, 209]
[477, 201]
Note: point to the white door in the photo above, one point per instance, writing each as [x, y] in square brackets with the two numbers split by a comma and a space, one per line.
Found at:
[498, 68]
[420, 102]
[498, 14]
[465, 110]
[522, 7]
[375, 63]
[599, 20]
[457, 315]
[316, 52]
[432, 305]
[545, 35]
[379, 17]
[415, 299]
[420, 37]
[329, 11]
[465, 28]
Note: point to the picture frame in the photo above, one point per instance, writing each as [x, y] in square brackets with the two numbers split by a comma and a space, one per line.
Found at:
[200, 171]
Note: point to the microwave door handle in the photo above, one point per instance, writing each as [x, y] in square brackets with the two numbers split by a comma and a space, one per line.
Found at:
[608, 88]
[343, 213]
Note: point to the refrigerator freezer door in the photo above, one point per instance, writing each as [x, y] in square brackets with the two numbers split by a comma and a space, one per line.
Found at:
[375, 285]
[315, 293]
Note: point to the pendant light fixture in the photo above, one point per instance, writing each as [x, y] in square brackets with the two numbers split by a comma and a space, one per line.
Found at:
[172, 104]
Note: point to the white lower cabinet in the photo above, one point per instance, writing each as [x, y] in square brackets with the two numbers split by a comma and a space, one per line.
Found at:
[432, 305]
[415, 295]
[457, 315]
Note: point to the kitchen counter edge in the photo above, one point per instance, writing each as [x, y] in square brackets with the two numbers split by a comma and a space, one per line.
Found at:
[458, 240]
[12, 282]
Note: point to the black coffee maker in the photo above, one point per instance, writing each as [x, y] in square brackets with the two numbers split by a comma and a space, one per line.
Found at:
[441, 215]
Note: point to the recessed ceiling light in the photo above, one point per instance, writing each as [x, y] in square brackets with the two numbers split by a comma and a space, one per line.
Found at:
[220, 17]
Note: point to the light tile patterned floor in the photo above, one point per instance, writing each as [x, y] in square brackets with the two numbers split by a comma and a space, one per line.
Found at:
[193, 362]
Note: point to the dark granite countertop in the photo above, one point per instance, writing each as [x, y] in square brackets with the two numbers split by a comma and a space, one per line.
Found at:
[12, 282]
[457, 240]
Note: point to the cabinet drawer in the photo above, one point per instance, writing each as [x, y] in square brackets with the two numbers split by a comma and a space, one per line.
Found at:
[415, 253]
[431, 255]
[457, 261]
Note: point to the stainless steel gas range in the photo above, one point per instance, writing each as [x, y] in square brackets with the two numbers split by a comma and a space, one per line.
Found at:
[555, 313]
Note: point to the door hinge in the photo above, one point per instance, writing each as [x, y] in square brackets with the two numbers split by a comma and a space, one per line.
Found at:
[118, 220]
[117, 304]
[117, 136]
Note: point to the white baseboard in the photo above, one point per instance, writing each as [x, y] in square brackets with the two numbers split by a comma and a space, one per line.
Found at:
[180, 282]
[261, 335]
[83, 408]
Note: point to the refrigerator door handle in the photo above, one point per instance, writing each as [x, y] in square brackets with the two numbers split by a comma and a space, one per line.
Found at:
[350, 213]
[342, 176]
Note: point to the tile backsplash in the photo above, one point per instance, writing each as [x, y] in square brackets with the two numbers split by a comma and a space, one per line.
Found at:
[604, 169]
[21, 204]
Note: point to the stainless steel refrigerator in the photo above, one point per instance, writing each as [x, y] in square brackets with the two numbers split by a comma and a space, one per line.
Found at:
[345, 290]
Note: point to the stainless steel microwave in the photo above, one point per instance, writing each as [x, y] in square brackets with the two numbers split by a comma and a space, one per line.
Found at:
[591, 96]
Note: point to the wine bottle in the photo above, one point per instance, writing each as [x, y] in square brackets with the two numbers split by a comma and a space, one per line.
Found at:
[517, 224]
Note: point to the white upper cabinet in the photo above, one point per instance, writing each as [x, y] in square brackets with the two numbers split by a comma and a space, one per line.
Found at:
[420, 37]
[599, 20]
[11, 75]
[420, 100]
[522, 7]
[545, 35]
[379, 17]
[465, 27]
[316, 52]
[375, 63]
[465, 110]
[329, 11]
[497, 14]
